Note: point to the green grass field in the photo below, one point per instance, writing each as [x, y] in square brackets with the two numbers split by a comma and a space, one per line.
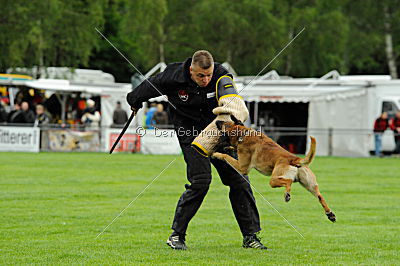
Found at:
[54, 204]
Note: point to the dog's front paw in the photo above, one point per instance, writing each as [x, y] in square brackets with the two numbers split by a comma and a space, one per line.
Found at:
[218, 155]
[287, 196]
[331, 216]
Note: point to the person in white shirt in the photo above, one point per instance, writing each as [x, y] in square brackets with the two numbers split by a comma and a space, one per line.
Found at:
[91, 117]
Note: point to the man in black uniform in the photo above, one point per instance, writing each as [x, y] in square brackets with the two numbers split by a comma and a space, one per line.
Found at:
[190, 87]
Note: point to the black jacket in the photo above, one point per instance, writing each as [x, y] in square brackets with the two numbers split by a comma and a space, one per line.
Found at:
[21, 117]
[193, 104]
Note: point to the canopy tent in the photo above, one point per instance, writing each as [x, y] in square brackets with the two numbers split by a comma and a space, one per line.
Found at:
[341, 111]
[12, 80]
[66, 86]
[110, 93]
[7, 79]
[339, 123]
[332, 104]
[295, 90]
[78, 75]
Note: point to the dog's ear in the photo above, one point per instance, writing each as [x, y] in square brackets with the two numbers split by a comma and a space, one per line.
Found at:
[236, 121]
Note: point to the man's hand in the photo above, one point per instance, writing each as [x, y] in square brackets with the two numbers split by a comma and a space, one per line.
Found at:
[134, 109]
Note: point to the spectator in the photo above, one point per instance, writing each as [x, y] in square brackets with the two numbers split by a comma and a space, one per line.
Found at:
[395, 126]
[91, 117]
[160, 117]
[119, 116]
[14, 114]
[41, 117]
[28, 114]
[3, 113]
[149, 115]
[380, 125]
[21, 114]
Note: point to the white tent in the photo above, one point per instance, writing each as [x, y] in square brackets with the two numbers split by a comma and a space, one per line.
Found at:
[341, 111]
[338, 122]
[110, 93]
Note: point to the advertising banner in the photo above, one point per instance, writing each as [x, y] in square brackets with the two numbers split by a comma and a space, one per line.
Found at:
[159, 141]
[25, 139]
[130, 142]
[70, 140]
[146, 141]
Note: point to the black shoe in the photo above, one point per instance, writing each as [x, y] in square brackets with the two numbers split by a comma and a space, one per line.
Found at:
[176, 241]
[252, 241]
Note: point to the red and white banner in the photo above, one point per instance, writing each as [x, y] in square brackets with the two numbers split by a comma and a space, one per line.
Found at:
[130, 142]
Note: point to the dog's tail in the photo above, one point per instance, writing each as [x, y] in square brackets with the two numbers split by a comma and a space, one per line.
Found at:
[311, 153]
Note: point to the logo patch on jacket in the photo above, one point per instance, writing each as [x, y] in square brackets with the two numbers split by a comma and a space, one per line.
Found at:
[183, 95]
[211, 94]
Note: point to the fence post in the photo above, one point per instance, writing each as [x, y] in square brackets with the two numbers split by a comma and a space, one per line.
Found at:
[330, 141]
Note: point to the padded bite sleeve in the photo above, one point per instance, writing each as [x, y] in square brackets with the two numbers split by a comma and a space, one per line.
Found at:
[229, 103]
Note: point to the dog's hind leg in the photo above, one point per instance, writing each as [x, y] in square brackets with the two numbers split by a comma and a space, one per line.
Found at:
[315, 191]
[283, 176]
[308, 181]
[331, 216]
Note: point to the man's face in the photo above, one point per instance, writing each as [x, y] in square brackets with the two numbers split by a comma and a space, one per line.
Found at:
[201, 76]
[24, 106]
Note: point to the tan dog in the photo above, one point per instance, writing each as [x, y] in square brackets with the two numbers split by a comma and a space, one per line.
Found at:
[256, 150]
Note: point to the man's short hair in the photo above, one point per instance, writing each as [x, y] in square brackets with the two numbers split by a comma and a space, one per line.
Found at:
[203, 59]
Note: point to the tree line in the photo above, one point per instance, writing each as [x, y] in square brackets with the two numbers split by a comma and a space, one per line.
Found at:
[353, 37]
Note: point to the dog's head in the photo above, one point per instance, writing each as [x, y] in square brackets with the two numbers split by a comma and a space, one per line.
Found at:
[233, 130]
[226, 126]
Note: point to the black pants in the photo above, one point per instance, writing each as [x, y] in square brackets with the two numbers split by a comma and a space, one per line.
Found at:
[199, 176]
[397, 142]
